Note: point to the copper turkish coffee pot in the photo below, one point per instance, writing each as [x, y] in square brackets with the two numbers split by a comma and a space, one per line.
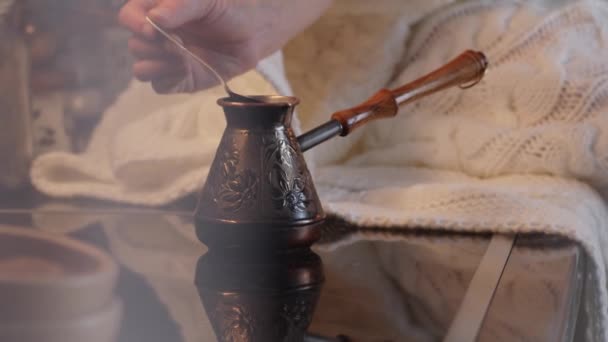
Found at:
[259, 192]
[259, 211]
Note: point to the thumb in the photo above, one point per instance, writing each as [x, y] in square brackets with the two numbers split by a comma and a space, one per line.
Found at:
[172, 14]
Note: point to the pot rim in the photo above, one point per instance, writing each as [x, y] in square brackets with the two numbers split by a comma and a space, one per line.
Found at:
[267, 101]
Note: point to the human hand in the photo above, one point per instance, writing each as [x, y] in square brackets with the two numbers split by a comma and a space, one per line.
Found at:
[231, 35]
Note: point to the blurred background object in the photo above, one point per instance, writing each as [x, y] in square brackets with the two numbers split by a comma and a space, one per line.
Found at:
[56, 289]
[62, 63]
[80, 64]
[15, 134]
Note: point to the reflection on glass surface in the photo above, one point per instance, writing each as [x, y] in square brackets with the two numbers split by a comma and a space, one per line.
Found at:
[373, 290]
[259, 297]
[542, 307]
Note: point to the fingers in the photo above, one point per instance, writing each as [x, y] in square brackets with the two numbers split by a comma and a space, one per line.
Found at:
[175, 13]
[146, 49]
[154, 61]
[155, 69]
[133, 17]
[169, 14]
[171, 84]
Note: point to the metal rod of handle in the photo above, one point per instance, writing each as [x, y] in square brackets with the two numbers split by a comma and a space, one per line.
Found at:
[320, 134]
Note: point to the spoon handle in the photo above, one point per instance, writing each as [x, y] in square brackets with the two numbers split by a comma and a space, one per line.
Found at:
[465, 71]
[182, 47]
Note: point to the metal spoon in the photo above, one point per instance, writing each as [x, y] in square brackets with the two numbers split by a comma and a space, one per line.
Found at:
[232, 94]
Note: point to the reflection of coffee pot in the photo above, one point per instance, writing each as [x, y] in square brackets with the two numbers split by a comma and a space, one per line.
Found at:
[259, 192]
[260, 297]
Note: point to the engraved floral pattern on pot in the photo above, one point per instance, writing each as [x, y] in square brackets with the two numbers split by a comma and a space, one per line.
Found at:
[287, 181]
[291, 194]
[237, 189]
[238, 325]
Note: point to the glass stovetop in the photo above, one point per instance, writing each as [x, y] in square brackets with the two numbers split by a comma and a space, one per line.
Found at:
[411, 287]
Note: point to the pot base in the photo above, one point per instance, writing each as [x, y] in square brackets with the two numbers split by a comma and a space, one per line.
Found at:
[257, 236]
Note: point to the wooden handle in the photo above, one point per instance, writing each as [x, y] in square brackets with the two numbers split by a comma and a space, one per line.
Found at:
[381, 105]
[465, 71]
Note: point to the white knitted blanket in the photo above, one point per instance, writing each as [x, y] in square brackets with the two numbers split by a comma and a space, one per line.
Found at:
[524, 151]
